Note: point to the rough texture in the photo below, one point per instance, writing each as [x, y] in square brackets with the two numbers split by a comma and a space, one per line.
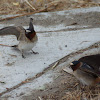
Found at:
[74, 26]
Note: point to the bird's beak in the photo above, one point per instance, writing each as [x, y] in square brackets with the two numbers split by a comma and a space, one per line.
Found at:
[71, 64]
[28, 31]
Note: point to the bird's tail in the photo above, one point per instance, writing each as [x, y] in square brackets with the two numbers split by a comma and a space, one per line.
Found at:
[8, 45]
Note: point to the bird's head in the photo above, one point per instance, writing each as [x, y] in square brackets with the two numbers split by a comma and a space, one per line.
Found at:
[31, 27]
[30, 32]
[75, 65]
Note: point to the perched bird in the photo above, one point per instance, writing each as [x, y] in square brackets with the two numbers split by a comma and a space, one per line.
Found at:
[85, 73]
[27, 37]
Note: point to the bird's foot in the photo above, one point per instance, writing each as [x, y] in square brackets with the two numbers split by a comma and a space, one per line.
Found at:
[23, 56]
[14, 46]
[35, 52]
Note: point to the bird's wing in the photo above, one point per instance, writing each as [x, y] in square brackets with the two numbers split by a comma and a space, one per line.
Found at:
[88, 69]
[93, 61]
[12, 30]
[22, 36]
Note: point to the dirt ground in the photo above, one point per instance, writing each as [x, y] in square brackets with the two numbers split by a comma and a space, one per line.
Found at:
[65, 87]
[22, 7]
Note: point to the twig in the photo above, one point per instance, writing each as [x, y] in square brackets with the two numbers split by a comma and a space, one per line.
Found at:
[76, 85]
[5, 45]
[55, 2]
[8, 18]
[39, 98]
[30, 4]
[68, 70]
[41, 10]
[84, 41]
[55, 65]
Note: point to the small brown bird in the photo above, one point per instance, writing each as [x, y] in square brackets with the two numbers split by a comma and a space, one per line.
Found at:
[27, 37]
[85, 73]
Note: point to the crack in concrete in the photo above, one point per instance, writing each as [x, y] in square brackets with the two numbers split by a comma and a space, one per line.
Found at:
[64, 30]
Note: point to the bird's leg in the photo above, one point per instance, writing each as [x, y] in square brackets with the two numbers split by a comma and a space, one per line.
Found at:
[16, 46]
[34, 52]
[23, 54]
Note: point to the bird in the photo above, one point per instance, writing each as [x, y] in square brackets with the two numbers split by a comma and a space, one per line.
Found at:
[27, 37]
[85, 73]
